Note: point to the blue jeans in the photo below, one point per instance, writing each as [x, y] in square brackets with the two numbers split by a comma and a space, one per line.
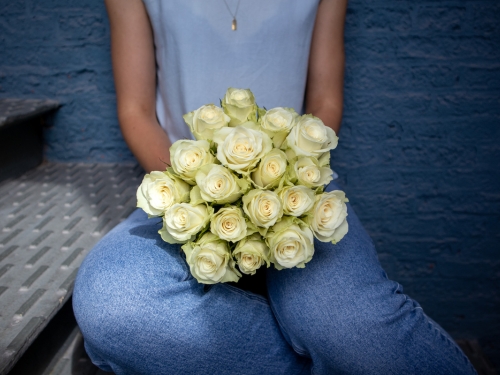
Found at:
[141, 312]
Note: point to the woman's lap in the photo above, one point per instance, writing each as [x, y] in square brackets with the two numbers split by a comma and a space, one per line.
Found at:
[140, 311]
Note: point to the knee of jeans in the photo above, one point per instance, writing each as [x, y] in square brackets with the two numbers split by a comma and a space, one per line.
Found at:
[114, 295]
[101, 298]
[345, 322]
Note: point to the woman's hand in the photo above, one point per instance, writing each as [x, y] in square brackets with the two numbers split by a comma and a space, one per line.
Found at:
[134, 70]
[325, 80]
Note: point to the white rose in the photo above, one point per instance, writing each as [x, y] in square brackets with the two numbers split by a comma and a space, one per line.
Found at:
[218, 184]
[270, 170]
[239, 104]
[309, 173]
[263, 207]
[183, 221]
[328, 218]
[291, 243]
[310, 137]
[229, 224]
[188, 156]
[277, 123]
[296, 199]
[210, 261]
[251, 253]
[241, 148]
[205, 120]
[159, 191]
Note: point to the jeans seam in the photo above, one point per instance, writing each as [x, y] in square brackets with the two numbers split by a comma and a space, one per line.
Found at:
[454, 344]
[100, 363]
[282, 328]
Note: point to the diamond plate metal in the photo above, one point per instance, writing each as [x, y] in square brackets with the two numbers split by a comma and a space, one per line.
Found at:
[50, 218]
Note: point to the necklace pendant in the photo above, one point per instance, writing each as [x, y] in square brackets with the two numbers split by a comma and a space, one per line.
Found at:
[234, 25]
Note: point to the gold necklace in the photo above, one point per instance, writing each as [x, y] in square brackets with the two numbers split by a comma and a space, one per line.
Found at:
[234, 24]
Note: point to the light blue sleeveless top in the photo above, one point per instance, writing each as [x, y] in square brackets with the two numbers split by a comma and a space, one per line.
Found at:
[198, 56]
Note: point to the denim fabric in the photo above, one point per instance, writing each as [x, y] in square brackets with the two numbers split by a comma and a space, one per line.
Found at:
[141, 312]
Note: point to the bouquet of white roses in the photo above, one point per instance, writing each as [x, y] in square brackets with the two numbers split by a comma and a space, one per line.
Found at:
[248, 191]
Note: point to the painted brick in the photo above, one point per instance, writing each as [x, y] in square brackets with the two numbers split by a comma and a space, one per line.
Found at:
[467, 270]
[88, 27]
[387, 19]
[380, 48]
[436, 154]
[482, 77]
[388, 104]
[353, 20]
[13, 8]
[67, 6]
[374, 77]
[434, 76]
[466, 103]
[446, 47]
[31, 30]
[485, 18]
[437, 19]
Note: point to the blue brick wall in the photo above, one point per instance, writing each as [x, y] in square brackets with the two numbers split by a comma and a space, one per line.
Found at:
[420, 143]
[59, 49]
[419, 153]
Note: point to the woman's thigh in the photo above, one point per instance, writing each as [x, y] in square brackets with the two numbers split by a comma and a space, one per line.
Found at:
[344, 313]
[141, 312]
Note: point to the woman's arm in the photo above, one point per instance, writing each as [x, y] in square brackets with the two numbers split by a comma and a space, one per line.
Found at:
[134, 70]
[325, 80]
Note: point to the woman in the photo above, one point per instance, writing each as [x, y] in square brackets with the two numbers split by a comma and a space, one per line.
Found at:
[138, 307]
